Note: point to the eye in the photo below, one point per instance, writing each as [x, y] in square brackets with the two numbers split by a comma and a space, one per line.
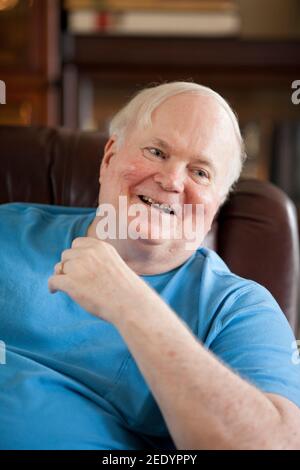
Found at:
[202, 175]
[153, 152]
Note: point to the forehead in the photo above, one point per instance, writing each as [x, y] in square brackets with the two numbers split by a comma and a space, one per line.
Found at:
[194, 121]
[190, 111]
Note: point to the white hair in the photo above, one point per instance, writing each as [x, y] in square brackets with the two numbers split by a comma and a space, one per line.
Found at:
[138, 111]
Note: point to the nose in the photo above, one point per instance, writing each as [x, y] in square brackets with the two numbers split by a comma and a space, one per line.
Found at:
[171, 178]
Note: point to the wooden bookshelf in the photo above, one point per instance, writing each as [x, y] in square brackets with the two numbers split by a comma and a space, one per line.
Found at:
[255, 76]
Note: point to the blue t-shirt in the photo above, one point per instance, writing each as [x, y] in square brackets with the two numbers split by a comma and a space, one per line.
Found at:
[70, 382]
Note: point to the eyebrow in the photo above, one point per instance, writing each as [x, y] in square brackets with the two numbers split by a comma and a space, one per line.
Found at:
[162, 143]
[202, 160]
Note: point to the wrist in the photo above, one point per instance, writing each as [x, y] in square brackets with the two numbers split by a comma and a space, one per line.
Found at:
[138, 309]
[131, 304]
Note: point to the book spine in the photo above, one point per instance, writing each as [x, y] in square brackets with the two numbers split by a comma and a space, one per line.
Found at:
[154, 23]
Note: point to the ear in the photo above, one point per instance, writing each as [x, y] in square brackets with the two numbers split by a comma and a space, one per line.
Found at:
[109, 152]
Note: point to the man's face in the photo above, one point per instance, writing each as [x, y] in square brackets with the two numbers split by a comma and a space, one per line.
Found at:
[183, 158]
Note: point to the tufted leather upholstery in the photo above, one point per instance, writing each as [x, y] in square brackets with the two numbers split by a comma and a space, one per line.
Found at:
[255, 232]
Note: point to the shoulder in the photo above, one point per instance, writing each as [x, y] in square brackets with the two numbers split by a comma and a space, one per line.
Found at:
[36, 211]
[247, 330]
[226, 298]
[218, 278]
[29, 221]
[49, 209]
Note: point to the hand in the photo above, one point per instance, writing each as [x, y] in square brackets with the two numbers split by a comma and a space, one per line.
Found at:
[94, 275]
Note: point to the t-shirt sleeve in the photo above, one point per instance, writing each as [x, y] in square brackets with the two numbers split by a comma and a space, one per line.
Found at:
[254, 338]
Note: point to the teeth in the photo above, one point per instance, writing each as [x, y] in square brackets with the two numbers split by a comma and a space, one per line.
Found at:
[164, 207]
[148, 199]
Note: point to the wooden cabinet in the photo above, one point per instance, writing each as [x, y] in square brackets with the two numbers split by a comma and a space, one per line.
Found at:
[30, 62]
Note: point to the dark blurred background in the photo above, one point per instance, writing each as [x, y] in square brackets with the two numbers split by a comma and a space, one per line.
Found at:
[73, 63]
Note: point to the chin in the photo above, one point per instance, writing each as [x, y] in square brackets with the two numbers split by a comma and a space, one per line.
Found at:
[146, 238]
[152, 241]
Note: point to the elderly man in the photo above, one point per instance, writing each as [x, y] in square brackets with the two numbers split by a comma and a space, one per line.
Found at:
[178, 352]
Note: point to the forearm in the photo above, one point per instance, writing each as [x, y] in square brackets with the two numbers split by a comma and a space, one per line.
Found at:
[205, 405]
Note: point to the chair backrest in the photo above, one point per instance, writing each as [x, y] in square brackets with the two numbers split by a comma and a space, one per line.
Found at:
[255, 232]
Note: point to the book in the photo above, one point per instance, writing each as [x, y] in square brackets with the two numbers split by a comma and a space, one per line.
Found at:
[153, 23]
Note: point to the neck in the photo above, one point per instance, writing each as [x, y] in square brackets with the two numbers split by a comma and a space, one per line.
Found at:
[144, 257]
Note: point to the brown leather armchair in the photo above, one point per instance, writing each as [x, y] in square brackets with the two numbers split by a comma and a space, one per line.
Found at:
[255, 232]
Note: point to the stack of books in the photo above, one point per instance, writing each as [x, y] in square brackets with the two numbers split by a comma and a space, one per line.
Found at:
[154, 17]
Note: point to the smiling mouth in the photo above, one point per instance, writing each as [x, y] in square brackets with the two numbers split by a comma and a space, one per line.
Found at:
[151, 202]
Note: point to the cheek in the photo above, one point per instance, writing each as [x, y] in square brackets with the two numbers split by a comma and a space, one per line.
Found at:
[206, 197]
[203, 195]
[211, 205]
[134, 173]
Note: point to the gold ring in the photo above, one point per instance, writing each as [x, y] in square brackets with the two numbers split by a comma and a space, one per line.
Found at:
[61, 268]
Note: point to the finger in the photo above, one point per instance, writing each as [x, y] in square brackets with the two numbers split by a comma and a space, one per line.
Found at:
[81, 242]
[58, 268]
[70, 266]
[72, 253]
[59, 283]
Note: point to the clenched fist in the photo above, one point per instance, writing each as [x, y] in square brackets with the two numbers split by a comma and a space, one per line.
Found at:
[93, 274]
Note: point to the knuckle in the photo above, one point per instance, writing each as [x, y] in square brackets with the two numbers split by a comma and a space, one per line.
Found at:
[56, 267]
[76, 242]
[110, 249]
[106, 246]
[64, 255]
